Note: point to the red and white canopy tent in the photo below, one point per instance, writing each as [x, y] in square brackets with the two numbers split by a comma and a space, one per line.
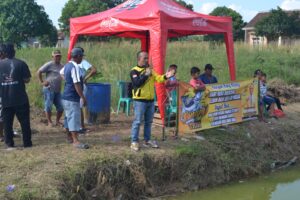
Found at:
[153, 22]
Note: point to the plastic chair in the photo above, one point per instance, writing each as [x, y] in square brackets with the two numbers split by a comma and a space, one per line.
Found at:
[172, 106]
[123, 91]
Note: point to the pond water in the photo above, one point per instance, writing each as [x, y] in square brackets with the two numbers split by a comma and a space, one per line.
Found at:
[283, 185]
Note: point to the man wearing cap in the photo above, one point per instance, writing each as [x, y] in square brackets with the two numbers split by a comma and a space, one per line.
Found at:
[72, 94]
[52, 86]
[207, 77]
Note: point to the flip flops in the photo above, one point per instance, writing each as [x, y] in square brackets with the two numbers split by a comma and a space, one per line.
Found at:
[81, 146]
[84, 130]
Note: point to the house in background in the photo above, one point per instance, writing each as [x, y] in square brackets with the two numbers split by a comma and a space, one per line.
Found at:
[253, 40]
[62, 40]
[250, 37]
[31, 42]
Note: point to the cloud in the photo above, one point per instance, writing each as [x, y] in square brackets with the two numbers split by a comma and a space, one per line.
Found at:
[206, 8]
[246, 13]
[235, 7]
[191, 2]
[53, 8]
[290, 4]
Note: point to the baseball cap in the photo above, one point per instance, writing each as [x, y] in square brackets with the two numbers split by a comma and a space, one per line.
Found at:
[56, 53]
[76, 52]
[209, 66]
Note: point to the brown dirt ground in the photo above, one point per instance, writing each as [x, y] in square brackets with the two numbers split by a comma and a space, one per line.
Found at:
[37, 169]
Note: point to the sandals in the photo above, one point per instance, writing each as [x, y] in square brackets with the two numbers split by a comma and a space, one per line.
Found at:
[69, 138]
[81, 146]
[84, 130]
[59, 124]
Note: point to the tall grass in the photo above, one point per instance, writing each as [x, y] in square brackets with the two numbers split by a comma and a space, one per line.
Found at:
[115, 60]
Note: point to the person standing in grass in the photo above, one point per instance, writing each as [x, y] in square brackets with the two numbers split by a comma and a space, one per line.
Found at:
[2, 56]
[88, 71]
[71, 97]
[52, 86]
[14, 73]
[143, 78]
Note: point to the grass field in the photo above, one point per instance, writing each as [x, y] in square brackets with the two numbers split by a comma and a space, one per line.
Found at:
[115, 60]
[53, 169]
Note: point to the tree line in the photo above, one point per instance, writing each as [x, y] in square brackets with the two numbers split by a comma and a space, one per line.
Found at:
[21, 20]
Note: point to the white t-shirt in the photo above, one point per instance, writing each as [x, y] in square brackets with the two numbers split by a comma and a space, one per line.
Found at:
[85, 65]
[76, 72]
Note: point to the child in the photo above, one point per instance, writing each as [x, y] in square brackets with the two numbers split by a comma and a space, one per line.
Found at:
[257, 74]
[264, 98]
[197, 84]
[172, 83]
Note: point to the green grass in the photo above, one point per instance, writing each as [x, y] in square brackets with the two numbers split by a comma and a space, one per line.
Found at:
[115, 60]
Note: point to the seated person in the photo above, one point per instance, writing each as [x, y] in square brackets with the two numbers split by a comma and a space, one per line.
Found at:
[197, 84]
[264, 98]
[207, 77]
[258, 74]
[172, 82]
[277, 102]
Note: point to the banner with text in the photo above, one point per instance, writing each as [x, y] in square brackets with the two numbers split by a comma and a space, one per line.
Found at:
[218, 105]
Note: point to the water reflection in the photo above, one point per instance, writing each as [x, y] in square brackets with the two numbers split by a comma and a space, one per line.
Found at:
[284, 185]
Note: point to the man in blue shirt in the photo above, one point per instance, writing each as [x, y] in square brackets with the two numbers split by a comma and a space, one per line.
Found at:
[207, 77]
[71, 97]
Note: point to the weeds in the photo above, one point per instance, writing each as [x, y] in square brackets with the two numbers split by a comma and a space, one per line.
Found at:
[115, 59]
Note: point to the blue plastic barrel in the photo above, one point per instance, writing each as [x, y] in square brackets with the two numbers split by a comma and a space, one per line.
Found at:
[98, 98]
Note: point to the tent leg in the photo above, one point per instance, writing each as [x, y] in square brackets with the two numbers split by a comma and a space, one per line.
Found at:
[163, 134]
[177, 113]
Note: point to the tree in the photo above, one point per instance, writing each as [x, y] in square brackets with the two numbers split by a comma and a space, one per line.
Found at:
[183, 3]
[21, 20]
[76, 8]
[237, 23]
[278, 23]
[49, 39]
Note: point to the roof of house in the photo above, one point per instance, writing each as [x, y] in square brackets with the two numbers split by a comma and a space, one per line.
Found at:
[260, 16]
[256, 19]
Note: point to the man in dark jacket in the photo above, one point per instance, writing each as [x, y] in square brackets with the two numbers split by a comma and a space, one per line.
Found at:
[14, 73]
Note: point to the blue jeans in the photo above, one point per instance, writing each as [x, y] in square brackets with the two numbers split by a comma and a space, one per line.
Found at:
[267, 100]
[143, 111]
[50, 98]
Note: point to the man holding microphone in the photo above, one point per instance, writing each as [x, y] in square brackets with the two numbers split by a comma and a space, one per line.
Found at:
[143, 78]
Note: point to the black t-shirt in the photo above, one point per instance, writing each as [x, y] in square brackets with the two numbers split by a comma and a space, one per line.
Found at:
[13, 72]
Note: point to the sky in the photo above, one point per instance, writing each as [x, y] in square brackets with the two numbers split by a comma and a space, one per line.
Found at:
[247, 8]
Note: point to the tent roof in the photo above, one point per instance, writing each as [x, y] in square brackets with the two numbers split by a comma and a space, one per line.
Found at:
[153, 21]
[139, 16]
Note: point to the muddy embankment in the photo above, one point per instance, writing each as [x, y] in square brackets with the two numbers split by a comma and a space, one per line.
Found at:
[227, 154]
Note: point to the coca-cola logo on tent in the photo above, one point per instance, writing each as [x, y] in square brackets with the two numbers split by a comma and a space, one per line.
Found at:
[131, 4]
[108, 23]
[199, 22]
